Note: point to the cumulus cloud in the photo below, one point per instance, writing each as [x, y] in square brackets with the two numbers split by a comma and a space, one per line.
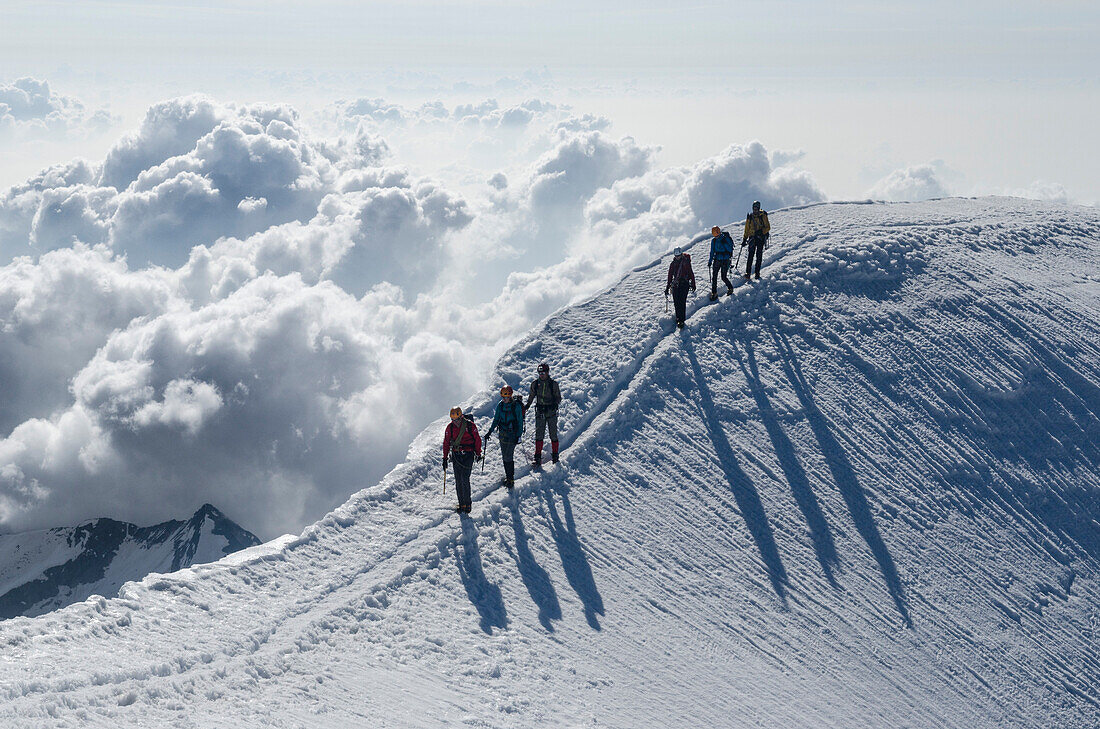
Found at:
[725, 186]
[170, 128]
[270, 401]
[910, 184]
[584, 163]
[21, 204]
[234, 307]
[29, 109]
[196, 172]
[55, 315]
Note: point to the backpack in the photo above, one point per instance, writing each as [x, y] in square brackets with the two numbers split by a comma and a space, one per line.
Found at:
[723, 246]
[757, 219]
[544, 395]
[511, 422]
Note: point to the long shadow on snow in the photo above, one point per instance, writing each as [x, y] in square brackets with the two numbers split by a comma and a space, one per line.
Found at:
[535, 578]
[1050, 421]
[484, 595]
[843, 473]
[1058, 423]
[573, 559]
[748, 500]
[803, 493]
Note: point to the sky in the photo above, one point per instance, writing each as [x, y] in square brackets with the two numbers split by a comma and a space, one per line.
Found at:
[249, 250]
[1002, 94]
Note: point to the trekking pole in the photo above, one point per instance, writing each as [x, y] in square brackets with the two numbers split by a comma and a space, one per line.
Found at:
[666, 301]
[736, 263]
[484, 453]
[444, 480]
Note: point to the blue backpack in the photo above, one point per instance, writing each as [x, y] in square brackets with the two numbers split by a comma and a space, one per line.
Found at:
[509, 417]
[721, 248]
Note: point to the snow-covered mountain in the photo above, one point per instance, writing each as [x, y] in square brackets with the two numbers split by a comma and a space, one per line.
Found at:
[864, 491]
[44, 570]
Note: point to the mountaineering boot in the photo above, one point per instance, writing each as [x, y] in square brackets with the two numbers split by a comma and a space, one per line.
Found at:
[554, 458]
[758, 277]
[729, 291]
[714, 296]
[748, 277]
[553, 451]
[679, 325]
[537, 465]
[509, 473]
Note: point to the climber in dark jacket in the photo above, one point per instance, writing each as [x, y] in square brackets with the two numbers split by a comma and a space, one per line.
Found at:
[508, 422]
[546, 395]
[680, 279]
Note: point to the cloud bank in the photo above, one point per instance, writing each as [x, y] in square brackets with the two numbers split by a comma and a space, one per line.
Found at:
[238, 306]
[30, 110]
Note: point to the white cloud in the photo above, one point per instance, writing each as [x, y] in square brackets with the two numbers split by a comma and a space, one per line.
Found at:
[910, 184]
[583, 163]
[185, 406]
[278, 384]
[21, 204]
[55, 314]
[29, 109]
[584, 123]
[724, 187]
[170, 128]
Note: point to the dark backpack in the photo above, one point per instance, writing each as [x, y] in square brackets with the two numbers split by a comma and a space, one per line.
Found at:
[544, 395]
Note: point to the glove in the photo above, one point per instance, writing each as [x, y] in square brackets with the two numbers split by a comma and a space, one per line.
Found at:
[744, 242]
[693, 289]
[444, 463]
[479, 458]
[667, 289]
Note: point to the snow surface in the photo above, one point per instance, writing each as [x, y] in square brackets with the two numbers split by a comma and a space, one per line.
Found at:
[862, 492]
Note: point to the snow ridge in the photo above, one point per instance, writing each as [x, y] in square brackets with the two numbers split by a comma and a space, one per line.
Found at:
[861, 492]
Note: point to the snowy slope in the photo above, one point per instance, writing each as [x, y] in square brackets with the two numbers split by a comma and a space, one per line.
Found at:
[47, 569]
[863, 492]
